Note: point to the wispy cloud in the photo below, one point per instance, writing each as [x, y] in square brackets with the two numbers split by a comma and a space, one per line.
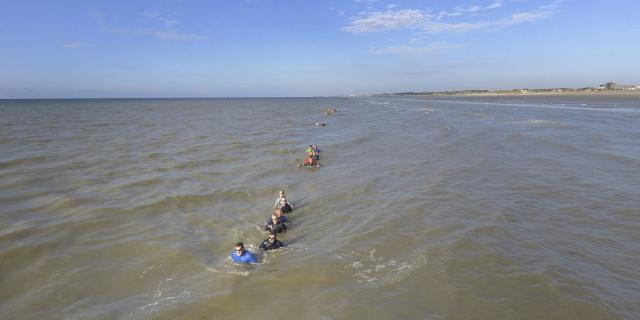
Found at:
[166, 32]
[494, 5]
[377, 21]
[169, 19]
[512, 20]
[410, 50]
[386, 20]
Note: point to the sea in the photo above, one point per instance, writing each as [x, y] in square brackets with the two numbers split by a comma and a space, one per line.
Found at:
[434, 208]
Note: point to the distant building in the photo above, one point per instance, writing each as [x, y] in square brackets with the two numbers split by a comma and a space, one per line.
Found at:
[615, 86]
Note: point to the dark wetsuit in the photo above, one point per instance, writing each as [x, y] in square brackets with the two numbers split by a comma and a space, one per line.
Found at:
[266, 245]
[279, 227]
[286, 208]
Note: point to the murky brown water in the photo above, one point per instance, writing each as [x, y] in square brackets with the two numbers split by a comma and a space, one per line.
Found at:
[476, 208]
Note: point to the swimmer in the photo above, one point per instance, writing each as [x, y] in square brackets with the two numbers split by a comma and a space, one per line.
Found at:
[310, 161]
[280, 196]
[271, 243]
[276, 224]
[316, 151]
[308, 150]
[240, 255]
[285, 206]
[319, 124]
[279, 214]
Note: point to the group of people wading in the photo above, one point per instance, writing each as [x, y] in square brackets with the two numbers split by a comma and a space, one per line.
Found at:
[313, 155]
[277, 223]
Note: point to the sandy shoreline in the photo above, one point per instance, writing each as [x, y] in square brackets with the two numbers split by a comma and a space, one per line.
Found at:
[505, 94]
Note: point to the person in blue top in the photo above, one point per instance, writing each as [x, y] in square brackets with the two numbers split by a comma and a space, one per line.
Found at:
[240, 255]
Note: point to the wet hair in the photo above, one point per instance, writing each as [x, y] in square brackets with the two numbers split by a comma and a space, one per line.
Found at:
[240, 244]
[273, 234]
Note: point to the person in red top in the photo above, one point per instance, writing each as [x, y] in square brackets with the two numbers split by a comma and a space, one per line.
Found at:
[310, 161]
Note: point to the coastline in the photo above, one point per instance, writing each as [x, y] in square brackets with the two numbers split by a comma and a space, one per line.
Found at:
[509, 94]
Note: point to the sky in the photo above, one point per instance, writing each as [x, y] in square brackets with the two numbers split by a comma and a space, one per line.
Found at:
[267, 48]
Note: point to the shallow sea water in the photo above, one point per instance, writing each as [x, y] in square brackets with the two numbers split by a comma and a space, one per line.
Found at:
[424, 208]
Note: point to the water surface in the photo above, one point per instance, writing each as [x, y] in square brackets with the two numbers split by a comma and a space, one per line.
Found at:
[424, 208]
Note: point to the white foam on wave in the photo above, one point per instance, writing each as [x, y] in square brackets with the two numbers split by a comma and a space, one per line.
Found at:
[375, 270]
[229, 271]
[428, 110]
[536, 122]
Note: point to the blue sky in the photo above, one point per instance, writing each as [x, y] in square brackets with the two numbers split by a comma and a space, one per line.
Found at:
[222, 48]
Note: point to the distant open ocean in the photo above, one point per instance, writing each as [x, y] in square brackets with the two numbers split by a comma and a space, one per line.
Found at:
[424, 208]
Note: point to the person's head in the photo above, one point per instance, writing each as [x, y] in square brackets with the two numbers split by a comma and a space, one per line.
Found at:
[281, 193]
[310, 156]
[283, 200]
[239, 248]
[274, 217]
[272, 237]
[277, 213]
[310, 146]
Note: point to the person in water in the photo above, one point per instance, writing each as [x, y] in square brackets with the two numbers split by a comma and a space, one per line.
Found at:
[276, 223]
[308, 150]
[271, 243]
[279, 214]
[280, 196]
[240, 255]
[316, 151]
[285, 206]
[309, 161]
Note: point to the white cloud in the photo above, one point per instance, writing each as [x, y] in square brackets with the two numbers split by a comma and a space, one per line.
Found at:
[514, 19]
[391, 6]
[521, 17]
[409, 50]
[168, 18]
[386, 20]
[446, 14]
[417, 19]
[494, 5]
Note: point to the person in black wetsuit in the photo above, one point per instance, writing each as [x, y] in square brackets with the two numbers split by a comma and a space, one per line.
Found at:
[276, 223]
[271, 243]
[285, 206]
